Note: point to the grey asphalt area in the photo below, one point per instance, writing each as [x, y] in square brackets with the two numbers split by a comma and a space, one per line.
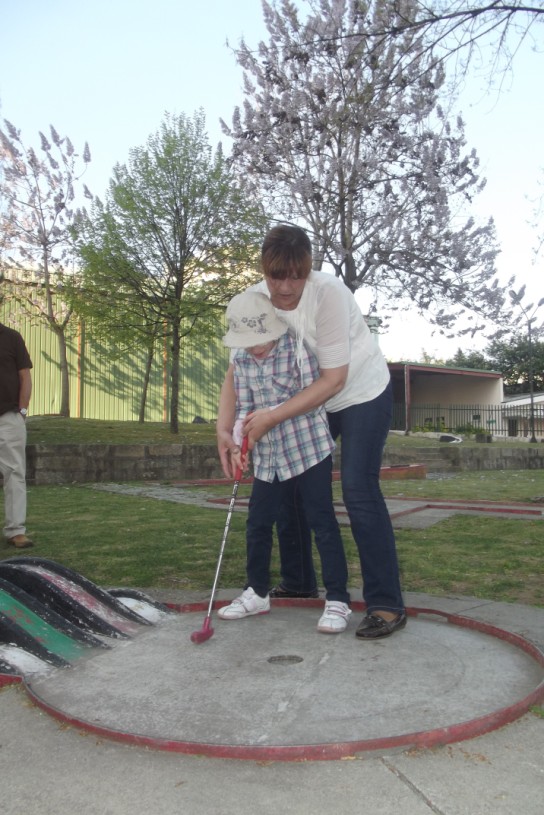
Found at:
[227, 691]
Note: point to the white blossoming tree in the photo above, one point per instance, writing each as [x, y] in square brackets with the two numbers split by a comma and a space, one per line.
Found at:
[345, 134]
[486, 36]
[37, 192]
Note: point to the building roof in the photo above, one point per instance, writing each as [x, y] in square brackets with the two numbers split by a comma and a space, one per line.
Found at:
[524, 399]
[442, 369]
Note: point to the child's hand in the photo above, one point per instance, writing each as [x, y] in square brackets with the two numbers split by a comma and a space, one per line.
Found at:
[225, 443]
[239, 458]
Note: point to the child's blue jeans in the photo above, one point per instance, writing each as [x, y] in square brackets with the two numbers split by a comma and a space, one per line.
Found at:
[314, 487]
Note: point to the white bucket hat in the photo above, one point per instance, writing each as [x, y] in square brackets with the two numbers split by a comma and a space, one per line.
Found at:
[252, 321]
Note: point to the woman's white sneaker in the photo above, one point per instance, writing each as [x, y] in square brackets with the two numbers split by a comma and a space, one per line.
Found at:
[335, 618]
[246, 605]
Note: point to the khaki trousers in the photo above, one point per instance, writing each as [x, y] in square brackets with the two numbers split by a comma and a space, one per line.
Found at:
[13, 469]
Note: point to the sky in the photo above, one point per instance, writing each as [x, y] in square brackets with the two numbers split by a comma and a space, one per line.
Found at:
[106, 72]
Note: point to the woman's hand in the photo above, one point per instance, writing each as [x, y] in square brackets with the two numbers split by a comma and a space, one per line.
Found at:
[329, 382]
[257, 424]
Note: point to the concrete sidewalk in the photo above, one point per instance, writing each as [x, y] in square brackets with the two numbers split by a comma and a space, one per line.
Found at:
[49, 767]
[406, 513]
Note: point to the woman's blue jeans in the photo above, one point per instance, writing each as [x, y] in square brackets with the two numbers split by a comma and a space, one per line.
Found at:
[363, 430]
[315, 491]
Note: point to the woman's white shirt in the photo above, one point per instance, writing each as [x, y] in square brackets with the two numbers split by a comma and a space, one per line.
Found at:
[328, 320]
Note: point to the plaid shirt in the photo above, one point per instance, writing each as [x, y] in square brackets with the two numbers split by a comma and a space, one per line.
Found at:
[296, 444]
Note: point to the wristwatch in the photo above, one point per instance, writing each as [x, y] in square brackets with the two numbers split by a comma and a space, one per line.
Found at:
[23, 412]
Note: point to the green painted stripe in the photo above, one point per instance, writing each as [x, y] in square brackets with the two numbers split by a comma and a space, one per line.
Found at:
[55, 641]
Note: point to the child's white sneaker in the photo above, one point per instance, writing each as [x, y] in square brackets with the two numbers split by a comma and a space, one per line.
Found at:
[246, 605]
[335, 618]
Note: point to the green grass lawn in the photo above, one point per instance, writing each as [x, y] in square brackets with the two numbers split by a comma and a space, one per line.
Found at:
[119, 540]
[524, 486]
[55, 430]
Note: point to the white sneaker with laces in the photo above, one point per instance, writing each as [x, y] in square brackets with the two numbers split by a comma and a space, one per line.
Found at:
[335, 618]
[246, 605]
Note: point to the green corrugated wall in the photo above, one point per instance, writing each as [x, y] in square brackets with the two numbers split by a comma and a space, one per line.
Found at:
[106, 385]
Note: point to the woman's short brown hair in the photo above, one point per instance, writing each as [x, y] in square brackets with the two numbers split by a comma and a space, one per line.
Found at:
[286, 252]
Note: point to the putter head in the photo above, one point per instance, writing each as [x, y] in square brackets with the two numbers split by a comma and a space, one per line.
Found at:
[203, 634]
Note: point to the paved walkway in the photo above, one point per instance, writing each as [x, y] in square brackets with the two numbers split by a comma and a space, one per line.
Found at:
[56, 769]
[406, 513]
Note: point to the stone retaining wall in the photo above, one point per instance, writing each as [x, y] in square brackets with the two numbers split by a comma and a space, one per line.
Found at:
[80, 463]
[75, 463]
[456, 458]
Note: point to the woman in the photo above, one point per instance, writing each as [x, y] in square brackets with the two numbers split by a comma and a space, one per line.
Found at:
[298, 451]
[354, 385]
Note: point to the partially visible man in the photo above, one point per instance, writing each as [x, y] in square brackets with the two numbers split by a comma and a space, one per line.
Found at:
[15, 390]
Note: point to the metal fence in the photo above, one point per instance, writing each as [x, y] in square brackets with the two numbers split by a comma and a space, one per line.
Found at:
[498, 420]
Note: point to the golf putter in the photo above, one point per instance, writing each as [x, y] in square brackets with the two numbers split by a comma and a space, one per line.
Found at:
[206, 631]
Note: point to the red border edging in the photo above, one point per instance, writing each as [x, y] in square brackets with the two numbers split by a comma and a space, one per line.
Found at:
[335, 750]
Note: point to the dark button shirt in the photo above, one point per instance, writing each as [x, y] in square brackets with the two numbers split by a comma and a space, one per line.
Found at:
[14, 357]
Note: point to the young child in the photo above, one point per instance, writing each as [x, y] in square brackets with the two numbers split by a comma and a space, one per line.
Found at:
[268, 369]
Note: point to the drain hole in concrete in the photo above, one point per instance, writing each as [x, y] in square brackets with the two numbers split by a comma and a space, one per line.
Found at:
[285, 659]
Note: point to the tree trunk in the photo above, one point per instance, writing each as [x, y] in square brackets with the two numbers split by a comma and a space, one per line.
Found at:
[64, 377]
[174, 396]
